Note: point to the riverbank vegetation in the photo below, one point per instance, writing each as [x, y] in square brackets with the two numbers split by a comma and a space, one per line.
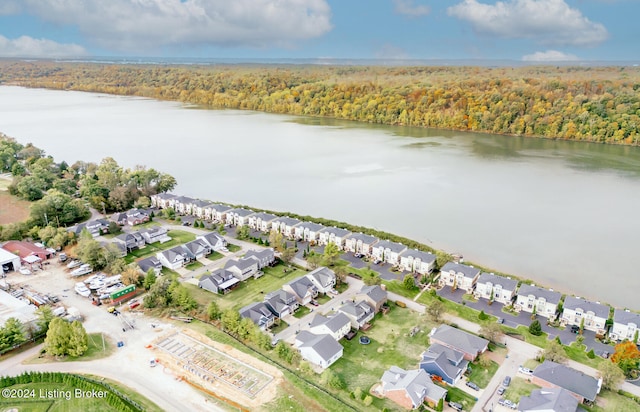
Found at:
[598, 104]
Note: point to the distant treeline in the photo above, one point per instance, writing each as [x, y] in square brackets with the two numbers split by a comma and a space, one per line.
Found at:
[598, 104]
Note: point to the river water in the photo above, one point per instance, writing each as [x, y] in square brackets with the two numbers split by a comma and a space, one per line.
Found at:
[562, 213]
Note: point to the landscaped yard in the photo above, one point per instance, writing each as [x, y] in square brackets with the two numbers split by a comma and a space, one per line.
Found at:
[194, 265]
[302, 312]
[612, 401]
[457, 309]
[518, 387]
[178, 237]
[233, 248]
[459, 396]
[252, 290]
[363, 365]
[94, 351]
[215, 256]
[577, 353]
[482, 375]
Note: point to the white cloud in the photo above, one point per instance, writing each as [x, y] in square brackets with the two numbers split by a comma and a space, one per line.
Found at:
[549, 56]
[139, 25]
[408, 8]
[26, 46]
[545, 21]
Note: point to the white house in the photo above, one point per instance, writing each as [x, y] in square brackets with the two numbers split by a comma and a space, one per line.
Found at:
[337, 326]
[323, 279]
[389, 252]
[285, 225]
[199, 207]
[321, 350]
[155, 234]
[360, 243]
[161, 200]
[333, 235]
[302, 288]
[308, 231]
[497, 288]
[459, 276]
[215, 240]
[173, 258]
[238, 216]
[243, 268]
[261, 221]
[625, 325]
[543, 301]
[183, 205]
[581, 312]
[219, 281]
[360, 313]
[218, 212]
[417, 261]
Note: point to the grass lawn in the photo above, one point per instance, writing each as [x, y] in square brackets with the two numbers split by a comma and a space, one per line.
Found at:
[322, 299]
[178, 237]
[146, 403]
[233, 248]
[612, 401]
[53, 405]
[94, 351]
[541, 341]
[194, 265]
[459, 396]
[397, 287]
[457, 309]
[481, 375]
[252, 290]
[168, 272]
[13, 209]
[577, 353]
[363, 365]
[519, 387]
[275, 329]
[302, 312]
[215, 256]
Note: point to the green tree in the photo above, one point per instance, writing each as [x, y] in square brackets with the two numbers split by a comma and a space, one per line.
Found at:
[491, 331]
[435, 310]
[78, 339]
[287, 255]
[554, 352]
[44, 315]
[535, 328]
[313, 260]
[276, 240]
[243, 232]
[58, 336]
[331, 254]
[11, 334]
[612, 376]
[149, 279]
[409, 282]
[371, 278]
[230, 321]
[482, 315]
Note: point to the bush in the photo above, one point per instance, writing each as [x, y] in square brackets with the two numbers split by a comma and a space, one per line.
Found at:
[367, 400]
[591, 354]
[482, 315]
[535, 328]
[401, 304]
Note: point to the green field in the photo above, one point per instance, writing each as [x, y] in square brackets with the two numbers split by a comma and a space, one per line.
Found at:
[481, 375]
[249, 291]
[518, 387]
[194, 265]
[178, 237]
[457, 309]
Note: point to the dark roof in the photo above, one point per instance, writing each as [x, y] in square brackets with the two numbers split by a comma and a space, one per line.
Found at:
[392, 246]
[241, 212]
[424, 256]
[324, 345]
[165, 196]
[598, 309]
[449, 362]
[625, 317]
[196, 246]
[241, 264]
[313, 227]
[264, 216]
[288, 221]
[468, 271]
[367, 239]
[301, 286]
[549, 295]
[568, 378]
[149, 263]
[218, 207]
[549, 399]
[375, 292]
[200, 203]
[417, 384]
[260, 254]
[460, 339]
[333, 323]
[258, 312]
[506, 283]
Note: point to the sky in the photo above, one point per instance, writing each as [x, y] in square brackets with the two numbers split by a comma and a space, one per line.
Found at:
[522, 30]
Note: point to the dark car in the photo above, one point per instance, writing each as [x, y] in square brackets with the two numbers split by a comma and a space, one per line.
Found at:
[575, 328]
[507, 381]
[473, 386]
[501, 320]
[314, 303]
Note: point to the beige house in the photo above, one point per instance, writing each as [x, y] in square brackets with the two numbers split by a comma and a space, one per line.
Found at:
[459, 276]
[532, 298]
[581, 312]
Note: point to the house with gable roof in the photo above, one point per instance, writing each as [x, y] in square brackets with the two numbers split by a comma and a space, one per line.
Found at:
[410, 389]
[471, 346]
[285, 225]
[261, 221]
[219, 212]
[183, 205]
[281, 303]
[152, 262]
[549, 400]
[131, 241]
[243, 268]
[360, 243]
[259, 314]
[264, 257]
[308, 231]
[199, 207]
[374, 295]
[155, 234]
[302, 288]
[554, 375]
[459, 276]
[445, 362]
[337, 325]
[417, 261]
[626, 325]
[324, 279]
[219, 281]
[333, 235]
[360, 313]
[497, 288]
[197, 249]
[387, 251]
[161, 200]
[238, 216]
[173, 258]
[543, 301]
[215, 240]
[321, 350]
[578, 311]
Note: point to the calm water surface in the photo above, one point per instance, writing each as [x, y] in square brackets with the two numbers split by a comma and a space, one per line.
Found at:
[562, 213]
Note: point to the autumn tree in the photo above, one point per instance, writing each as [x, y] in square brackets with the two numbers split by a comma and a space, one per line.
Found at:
[435, 310]
[627, 357]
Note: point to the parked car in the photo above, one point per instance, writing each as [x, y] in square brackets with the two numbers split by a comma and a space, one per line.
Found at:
[575, 328]
[525, 371]
[455, 405]
[314, 303]
[500, 320]
[357, 255]
[473, 386]
[507, 381]
[63, 257]
[501, 390]
[25, 271]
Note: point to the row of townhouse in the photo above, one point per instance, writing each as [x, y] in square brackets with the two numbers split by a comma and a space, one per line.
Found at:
[544, 302]
[393, 253]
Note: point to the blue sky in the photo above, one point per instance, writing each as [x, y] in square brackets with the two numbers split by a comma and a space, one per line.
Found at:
[529, 30]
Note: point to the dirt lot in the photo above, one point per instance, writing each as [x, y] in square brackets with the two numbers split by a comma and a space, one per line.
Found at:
[13, 209]
[131, 361]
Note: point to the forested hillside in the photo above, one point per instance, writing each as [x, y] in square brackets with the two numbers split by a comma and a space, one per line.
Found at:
[600, 104]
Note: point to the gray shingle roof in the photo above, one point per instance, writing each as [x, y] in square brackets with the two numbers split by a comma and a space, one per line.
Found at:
[288, 221]
[220, 207]
[568, 378]
[241, 212]
[324, 276]
[450, 362]
[264, 216]
[324, 345]
[468, 271]
[148, 263]
[552, 399]
[460, 339]
[624, 317]
[392, 246]
[258, 312]
[241, 264]
[261, 254]
[301, 286]
[549, 295]
[336, 231]
[375, 292]
[200, 203]
[367, 239]
[313, 227]
[333, 323]
[417, 383]
[507, 284]
[165, 196]
[598, 309]
[423, 256]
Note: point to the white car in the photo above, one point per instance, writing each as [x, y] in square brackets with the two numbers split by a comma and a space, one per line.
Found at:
[24, 271]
